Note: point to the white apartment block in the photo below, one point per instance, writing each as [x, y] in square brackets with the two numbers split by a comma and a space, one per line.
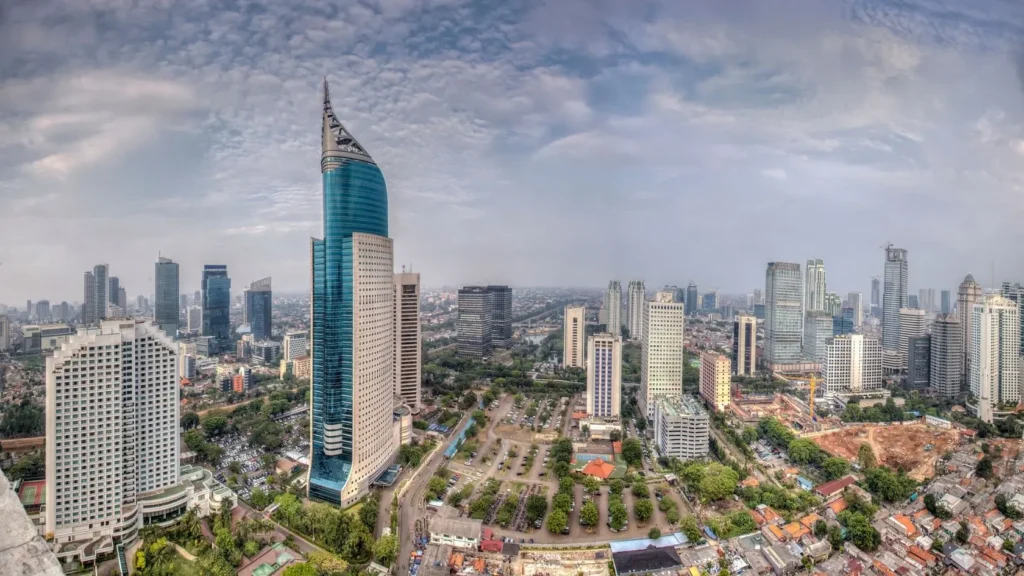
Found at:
[573, 336]
[408, 339]
[604, 375]
[194, 318]
[636, 296]
[715, 379]
[661, 352]
[681, 428]
[853, 365]
[912, 325]
[995, 354]
[296, 345]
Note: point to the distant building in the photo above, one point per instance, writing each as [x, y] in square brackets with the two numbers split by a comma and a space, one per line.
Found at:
[817, 330]
[604, 375]
[217, 305]
[636, 297]
[946, 356]
[188, 366]
[855, 301]
[911, 325]
[302, 367]
[613, 308]
[574, 333]
[875, 293]
[474, 322]
[919, 354]
[842, 324]
[814, 292]
[968, 294]
[296, 344]
[715, 379]
[43, 310]
[194, 317]
[691, 299]
[709, 301]
[266, 351]
[995, 343]
[408, 339]
[96, 287]
[913, 302]
[833, 304]
[5, 332]
[681, 428]
[853, 364]
[501, 316]
[783, 319]
[661, 352]
[259, 303]
[946, 305]
[894, 297]
[166, 288]
[744, 345]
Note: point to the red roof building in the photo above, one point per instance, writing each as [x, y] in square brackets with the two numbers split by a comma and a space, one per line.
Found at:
[832, 489]
[598, 468]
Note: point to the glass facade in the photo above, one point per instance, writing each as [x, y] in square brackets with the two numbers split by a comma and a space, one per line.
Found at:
[217, 304]
[166, 309]
[258, 309]
[783, 318]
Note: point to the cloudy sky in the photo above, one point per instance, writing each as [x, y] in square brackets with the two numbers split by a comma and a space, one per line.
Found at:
[561, 142]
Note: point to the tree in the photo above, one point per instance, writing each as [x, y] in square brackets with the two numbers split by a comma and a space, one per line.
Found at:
[589, 514]
[591, 484]
[866, 456]
[654, 533]
[616, 486]
[468, 401]
[835, 467]
[984, 468]
[640, 489]
[803, 451]
[214, 424]
[536, 507]
[718, 482]
[385, 550]
[235, 467]
[561, 470]
[643, 509]
[557, 521]
[327, 564]
[963, 534]
[562, 501]
[617, 514]
[189, 420]
[820, 529]
[749, 435]
[835, 537]
[615, 435]
[300, 569]
[25, 419]
[632, 452]
[861, 532]
[690, 529]
[369, 510]
[31, 465]
[888, 485]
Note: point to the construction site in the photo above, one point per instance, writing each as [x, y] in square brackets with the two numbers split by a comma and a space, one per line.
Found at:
[910, 446]
[788, 409]
[553, 562]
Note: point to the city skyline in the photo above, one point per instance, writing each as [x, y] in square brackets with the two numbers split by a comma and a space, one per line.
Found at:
[816, 107]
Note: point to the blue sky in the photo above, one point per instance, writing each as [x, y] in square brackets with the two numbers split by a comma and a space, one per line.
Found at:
[535, 143]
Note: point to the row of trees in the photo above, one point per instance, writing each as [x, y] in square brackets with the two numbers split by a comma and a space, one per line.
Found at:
[346, 534]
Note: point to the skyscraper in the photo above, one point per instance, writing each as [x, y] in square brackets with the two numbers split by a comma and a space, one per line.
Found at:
[217, 305]
[709, 301]
[5, 332]
[501, 315]
[814, 291]
[926, 299]
[912, 325]
[636, 296]
[613, 307]
[946, 306]
[783, 314]
[855, 300]
[353, 323]
[661, 351]
[408, 339]
[295, 345]
[995, 342]
[473, 327]
[96, 286]
[946, 356]
[604, 375]
[817, 331]
[1015, 293]
[42, 310]
[968, 294]
[913, 302]
[919, 361]
[194, 318]
[691, 299]
[833, 304]
[894, 297]
[114, 290]
[744, 345]
[853, 364]
[165, 311]
[875, 292]
[715, 379]
[259, 303]
[574, 333]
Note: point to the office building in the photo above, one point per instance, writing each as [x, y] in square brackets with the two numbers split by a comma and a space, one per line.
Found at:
[501, 316]
[113, 290]
[967, 296]
[995, 344]
[96, 288]
[661, 351]
[259, 303]
[122, 297]
[5, 332]
[613, 307]
[818, 328]
[64, 313]
[783, 315]
[946, 305]
[681, 428]
[265, 351]
[715, 379]
[919, 354]
[946, 357]
[744, 345]
[691, 299]
[183, 302]
[473, 326]
[636, 297]
[758, 297]
[759, 311]
[854, 300]
[814, 290]
[166, 290]
[217, 305]
[42, 310]
[296, 345]
[926, 299]
[853, 365]
[604, 375]
[709, 301]
[843, 324]
[911, 325]
[194, 317]
[353, 320]
[574, 333]
[875, 293]
[833, 304]
[894, 297]
[408, 339]
[913, 302]
[678, 294]
[188, 366]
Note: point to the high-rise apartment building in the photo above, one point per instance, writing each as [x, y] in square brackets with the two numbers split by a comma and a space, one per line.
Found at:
[855, 301]
[681, 428]
[217, 305]
[926, 299]
[912, 325]
[194, 318]
[473, 326]
[353, 308]
[744, 345]
[42, 310]
[295, 345]
[166, 289]
[995, 345]
[833, 304]
[968, 294]
[5, 332]
[919, 362]
[661, 352]
[894, 297]
[875, 292]
[814, 290]
[501, 316]
[408, 339]
[613, 307]
[604, 375]
[259, 304]
[818, 328]
[783, 315]
[113, 289]
[636, 297]
[853, 365]
[946, 357]
[574, 333]
[946, 305]
[96, 287]
[715, 379]
[1015, 293]
[691, 299]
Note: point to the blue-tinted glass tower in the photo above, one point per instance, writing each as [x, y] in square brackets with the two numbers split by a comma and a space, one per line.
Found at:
[217, 304]
[258, 308]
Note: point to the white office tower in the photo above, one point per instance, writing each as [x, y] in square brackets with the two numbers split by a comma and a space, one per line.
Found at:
[112, 433]
[296, 345]
[635, 309]
[408, 346]
[681, 428]
[817, 331]
[995, 345]
[946, 356]
[912, 325]
[967, 296]
[195, 319]
[5, 332]
[783, 314]
[715, 379]
[613, 307]
[894, 296]
[814, 290]
[574, 334]
[604, 375]
[661, 351]
[853, 365]
[856, 301]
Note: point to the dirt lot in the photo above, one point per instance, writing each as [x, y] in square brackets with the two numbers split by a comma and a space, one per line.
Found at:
[911, 447]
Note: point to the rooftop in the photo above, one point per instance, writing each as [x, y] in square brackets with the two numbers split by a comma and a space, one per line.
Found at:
[681, 406]
[645, 561]
[462, 527]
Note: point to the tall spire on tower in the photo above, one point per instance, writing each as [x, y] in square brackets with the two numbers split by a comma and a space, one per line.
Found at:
[337, 141]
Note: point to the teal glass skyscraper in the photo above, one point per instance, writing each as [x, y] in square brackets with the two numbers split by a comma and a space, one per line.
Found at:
[352, 319]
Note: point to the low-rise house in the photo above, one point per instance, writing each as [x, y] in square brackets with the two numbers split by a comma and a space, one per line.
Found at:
[903, 525]
[457, 532]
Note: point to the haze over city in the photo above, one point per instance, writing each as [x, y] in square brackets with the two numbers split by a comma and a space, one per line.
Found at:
[529, 143]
